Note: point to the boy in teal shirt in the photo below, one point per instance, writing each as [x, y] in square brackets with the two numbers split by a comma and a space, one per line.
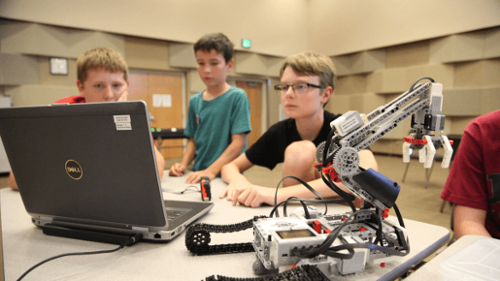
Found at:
[219, 117]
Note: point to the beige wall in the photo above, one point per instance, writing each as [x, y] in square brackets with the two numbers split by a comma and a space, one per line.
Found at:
[276, 27]
[341, 27]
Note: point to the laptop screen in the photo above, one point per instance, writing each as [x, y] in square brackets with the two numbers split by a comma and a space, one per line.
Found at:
[85, 162]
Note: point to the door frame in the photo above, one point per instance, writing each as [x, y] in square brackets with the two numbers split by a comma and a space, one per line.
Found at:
[264, 118]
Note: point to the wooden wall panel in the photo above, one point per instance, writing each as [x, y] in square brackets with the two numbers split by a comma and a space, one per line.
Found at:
[458, 47]
[350, 84]
[182, 55]
[407, 55]
[477, 74]
[30, 95]
[142, 53]
[18, 69]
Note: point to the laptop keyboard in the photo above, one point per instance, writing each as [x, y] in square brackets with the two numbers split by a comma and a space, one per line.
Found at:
[173, 215]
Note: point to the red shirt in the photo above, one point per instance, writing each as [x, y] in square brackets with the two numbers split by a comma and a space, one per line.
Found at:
[474, 179]
[72, 100]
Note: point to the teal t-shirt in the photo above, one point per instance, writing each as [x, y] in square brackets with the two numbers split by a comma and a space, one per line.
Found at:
[212, 123]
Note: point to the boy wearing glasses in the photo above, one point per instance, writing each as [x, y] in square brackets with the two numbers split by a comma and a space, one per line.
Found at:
[307, 82]
[219, 117]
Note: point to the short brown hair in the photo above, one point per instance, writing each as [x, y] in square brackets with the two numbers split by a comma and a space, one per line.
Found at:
[218, 42]
[106, 58]
[312, 64]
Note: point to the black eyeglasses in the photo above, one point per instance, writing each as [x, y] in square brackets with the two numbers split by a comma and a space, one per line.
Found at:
[298, 88]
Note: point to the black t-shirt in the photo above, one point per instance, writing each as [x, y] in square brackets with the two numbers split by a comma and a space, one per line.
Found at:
[269, 149]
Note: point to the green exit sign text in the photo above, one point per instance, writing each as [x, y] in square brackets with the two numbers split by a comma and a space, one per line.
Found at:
[246, 43]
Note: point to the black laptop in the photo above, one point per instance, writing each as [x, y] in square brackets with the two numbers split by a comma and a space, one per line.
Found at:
[90, 170]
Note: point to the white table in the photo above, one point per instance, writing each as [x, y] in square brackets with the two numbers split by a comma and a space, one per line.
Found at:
[430, 271]
[24, 245]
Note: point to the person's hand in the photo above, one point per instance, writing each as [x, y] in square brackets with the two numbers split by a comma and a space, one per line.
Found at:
[245, 193]
[123, 96]
[195, 177]
[12, 181]
[177, 170]
[240, 184]
[254, 196]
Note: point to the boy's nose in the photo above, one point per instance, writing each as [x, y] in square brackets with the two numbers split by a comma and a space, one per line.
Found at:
[108, 94]
[289, 91]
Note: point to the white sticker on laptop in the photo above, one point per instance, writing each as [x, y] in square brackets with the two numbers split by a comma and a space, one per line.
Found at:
[123, 126]
[121, 118]
[122, 122]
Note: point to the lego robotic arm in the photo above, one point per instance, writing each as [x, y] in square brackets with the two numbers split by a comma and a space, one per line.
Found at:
[353, 132]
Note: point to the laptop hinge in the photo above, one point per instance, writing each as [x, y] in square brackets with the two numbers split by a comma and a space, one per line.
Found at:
[140, 229]
[45, 219]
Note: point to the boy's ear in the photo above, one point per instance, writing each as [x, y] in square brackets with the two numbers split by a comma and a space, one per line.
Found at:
[80, 87]
[230, 65]
[327, 94]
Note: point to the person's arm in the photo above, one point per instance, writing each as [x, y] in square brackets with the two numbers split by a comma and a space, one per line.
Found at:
[230, 153]
[232, 174]
[160, 162]
[178, 169]
[240, 190]
[467, 183]
[367, 160]
[467, 220]
[12, 182]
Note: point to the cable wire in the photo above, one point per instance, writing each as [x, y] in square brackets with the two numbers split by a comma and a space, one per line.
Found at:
[347, 197]
[69, 254]
[189, 188]
[398, 214]
[413, 86]
[325, 201]
[329, 138]
[304, 184]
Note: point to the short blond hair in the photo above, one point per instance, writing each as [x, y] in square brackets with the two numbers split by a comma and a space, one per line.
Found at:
[106, 58]
[312, 64]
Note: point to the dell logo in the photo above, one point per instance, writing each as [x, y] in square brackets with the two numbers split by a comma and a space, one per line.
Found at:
[73, 169]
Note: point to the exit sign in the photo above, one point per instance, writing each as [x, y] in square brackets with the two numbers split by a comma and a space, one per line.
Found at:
[246, 43]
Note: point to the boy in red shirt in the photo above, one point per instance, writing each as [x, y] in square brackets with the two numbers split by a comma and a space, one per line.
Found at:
[473, 184]
[102, 77]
